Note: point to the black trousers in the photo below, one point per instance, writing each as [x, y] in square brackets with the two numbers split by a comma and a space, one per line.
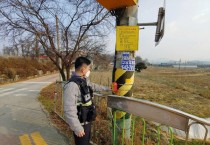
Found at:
[85, 140]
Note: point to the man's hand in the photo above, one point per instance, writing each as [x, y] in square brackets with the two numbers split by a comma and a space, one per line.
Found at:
[81, 134]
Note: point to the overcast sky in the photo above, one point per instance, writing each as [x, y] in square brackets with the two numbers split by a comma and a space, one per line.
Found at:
[187, 30]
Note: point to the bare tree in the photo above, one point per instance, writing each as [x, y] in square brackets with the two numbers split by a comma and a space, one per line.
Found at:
[101, 61]
[27, 47]
[82, 25]
[8, 50]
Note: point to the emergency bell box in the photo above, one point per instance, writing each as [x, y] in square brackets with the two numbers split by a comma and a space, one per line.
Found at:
[114, 4]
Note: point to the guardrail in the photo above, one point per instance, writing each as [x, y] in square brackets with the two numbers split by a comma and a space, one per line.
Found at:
[158, 113]
[150, 122]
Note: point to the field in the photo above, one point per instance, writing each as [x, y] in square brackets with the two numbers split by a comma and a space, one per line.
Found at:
[186, 89]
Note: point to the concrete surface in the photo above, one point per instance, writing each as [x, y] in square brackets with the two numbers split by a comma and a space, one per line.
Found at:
[22, 120]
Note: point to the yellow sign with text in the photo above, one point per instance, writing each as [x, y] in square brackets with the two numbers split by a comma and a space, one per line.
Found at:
[127, 38]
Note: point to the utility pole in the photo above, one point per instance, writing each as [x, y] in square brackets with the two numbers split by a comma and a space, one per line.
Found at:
[180, 64]
[127, 33]
[124, 77]
[124, 61]
[36, 47]
[58, 44]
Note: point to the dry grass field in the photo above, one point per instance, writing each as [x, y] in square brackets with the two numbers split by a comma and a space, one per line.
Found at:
[186, 89]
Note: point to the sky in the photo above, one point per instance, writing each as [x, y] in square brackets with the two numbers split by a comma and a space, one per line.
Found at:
[187, 31]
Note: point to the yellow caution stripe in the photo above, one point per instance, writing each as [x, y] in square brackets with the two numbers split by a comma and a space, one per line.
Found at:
[25, 140]
[122, 76]
[35, 136]
[125, 80]
[119, 73]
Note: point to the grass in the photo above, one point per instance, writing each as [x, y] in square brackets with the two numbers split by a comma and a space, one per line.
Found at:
[46, 97]
[186, 90]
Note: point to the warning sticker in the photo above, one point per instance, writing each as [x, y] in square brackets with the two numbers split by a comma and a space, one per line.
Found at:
[127, 64]
[127, 38]
[125, 56]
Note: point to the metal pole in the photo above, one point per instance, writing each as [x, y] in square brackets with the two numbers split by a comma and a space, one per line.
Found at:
[60, 65]
[123, 78]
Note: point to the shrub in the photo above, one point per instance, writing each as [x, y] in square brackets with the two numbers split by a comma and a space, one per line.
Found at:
[49, 66]
[24, 67]
[10, 73]
[22, 73]
[31, 71]
[139, 66]
[2, 64]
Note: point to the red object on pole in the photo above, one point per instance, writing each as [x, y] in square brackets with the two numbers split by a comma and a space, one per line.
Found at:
[114, 87]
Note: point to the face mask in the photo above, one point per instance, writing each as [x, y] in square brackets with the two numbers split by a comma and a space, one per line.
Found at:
[87, 74]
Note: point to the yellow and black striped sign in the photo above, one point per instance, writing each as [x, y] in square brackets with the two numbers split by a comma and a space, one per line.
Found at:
[124, 80]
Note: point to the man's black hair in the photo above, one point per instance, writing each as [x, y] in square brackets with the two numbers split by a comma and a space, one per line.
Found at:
[80, 61]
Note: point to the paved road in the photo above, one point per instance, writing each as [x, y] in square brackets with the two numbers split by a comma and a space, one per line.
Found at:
[22, 121]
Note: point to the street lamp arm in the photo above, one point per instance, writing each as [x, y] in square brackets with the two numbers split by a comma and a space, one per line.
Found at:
[147, 24]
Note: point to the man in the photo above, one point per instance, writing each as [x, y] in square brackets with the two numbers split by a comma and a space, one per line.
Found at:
[79, 110]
